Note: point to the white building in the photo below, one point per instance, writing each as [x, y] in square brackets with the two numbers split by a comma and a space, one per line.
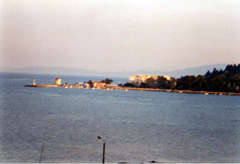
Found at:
[57, 81]
[138, 79]
[99, 85]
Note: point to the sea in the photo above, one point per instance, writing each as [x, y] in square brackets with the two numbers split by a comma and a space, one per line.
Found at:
[63, 124]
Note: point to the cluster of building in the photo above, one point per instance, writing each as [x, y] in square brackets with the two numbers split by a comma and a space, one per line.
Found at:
[135, 79]
[138, 79]
[58, 83]
[95, 85]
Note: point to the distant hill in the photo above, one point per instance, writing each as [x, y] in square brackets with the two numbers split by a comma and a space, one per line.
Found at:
[54, 70]
[178, 73]
[73, 71]
[197, 70]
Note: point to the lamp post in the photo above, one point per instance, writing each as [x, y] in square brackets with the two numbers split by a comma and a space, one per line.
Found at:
[40, 160]
[103, 158]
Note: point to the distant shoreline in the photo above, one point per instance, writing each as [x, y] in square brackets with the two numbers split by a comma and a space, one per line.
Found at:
[138, 89]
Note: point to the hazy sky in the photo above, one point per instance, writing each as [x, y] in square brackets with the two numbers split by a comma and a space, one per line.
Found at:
[119, 35]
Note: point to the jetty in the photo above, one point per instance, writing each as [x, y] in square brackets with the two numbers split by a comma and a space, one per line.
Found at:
[57, 84]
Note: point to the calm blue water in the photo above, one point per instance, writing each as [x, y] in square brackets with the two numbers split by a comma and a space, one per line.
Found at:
[136, 126]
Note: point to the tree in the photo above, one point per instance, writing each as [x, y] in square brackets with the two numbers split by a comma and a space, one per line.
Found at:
[90, 82]
[107, 81]
[208, 74]
[128, 85]
[150, 83]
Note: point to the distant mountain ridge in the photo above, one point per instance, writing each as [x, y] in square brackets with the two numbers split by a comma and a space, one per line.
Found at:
[74, 71]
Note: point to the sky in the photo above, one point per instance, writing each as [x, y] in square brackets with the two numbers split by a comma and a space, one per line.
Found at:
[119, 35]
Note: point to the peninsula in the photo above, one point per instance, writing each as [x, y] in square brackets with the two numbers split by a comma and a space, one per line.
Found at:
[223, 82]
